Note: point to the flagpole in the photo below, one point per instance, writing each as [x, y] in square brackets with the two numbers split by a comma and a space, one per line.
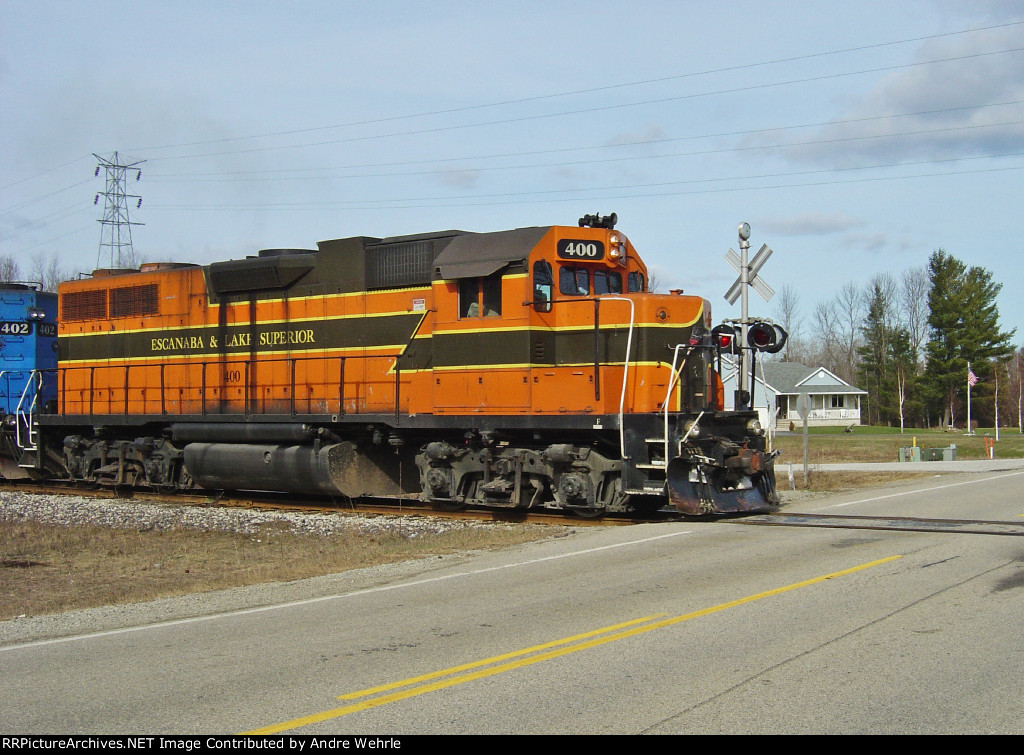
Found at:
[996, 401]
[969, 398]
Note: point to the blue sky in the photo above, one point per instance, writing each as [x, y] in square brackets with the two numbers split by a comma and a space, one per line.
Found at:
[855, 138]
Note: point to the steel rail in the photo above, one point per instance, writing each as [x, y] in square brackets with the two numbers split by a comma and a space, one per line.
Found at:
[366, 506]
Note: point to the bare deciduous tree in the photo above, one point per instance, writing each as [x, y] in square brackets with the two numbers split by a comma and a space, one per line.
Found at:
[48, 272]
[9, 270]
[914, 308]
[787, 314]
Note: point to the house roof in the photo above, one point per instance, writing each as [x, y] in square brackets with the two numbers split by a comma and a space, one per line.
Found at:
[794, 378]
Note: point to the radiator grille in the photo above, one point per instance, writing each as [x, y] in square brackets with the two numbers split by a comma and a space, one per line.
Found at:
[134, 301]
[84, 305]
[407, 263]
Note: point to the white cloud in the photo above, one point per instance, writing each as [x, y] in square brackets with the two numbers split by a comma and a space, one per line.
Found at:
[957, 107]
[460, 178]
[810, 224]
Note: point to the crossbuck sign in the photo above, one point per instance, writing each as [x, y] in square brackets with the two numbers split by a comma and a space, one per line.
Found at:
[756, 282]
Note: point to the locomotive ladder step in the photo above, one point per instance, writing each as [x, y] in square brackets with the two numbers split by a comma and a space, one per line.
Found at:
[29, 459]
[655, 464]
[648, 489]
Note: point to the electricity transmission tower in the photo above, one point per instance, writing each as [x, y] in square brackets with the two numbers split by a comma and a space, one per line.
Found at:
[116, 226]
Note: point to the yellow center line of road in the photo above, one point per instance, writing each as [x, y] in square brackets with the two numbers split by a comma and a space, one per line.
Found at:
[495, 659]
[561, 647]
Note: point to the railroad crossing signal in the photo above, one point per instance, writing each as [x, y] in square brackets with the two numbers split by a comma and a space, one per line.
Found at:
[748, 270]
[755, 281]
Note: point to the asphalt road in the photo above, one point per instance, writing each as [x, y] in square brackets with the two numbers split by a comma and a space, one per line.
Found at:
[681, 628]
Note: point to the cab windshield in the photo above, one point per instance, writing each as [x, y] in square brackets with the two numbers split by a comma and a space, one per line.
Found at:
[579, 281]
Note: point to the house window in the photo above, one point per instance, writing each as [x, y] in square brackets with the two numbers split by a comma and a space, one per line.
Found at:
[480, 297]
[837, 401]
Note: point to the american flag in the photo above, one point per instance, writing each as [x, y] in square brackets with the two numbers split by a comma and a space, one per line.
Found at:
[972, 379]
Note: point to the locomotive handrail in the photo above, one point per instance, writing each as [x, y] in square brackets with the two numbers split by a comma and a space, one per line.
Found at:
[672, 381]
[625, 364]
[35, 377]
[246, 365]
[625, 368]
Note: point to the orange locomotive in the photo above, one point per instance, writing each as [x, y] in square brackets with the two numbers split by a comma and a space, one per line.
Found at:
[523, 368]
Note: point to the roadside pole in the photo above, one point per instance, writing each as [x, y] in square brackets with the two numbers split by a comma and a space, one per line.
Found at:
[805, 409]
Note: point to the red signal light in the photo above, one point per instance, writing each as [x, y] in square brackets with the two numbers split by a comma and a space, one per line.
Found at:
[767, 337]
[761, 336]
[723, 337]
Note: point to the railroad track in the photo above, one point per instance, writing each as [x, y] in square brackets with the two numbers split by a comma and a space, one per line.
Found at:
[414, 507]
[290, 503]
[894, 523]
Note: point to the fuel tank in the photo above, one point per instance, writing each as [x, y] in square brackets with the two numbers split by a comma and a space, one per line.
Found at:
[335, 469]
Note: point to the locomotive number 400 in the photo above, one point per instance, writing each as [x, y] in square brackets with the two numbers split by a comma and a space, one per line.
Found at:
[587, 250]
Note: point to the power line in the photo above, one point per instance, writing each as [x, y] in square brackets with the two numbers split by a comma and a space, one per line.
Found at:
[630, 158]
[183, 177]
[546, 194]
[596, 108]
[591, 90]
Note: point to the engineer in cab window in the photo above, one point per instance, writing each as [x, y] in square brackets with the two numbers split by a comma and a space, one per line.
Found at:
[480, 297]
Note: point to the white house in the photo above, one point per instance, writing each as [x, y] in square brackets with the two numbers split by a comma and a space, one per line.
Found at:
[776, 393]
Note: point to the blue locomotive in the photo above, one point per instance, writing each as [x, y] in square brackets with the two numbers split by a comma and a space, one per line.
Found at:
[28, 369]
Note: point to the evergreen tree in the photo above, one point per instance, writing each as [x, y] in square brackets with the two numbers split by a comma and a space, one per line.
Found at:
[872, 371]
[963, 326]
[887, 368]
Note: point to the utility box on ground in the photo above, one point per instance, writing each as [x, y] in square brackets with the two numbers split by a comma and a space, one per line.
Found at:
[910, 453]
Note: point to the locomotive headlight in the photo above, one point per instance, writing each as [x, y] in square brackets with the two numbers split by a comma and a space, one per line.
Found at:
[754, 427]
[613, 246]
[617, 248]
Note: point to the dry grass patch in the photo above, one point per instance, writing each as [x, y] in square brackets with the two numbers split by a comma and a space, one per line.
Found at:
[835, 482]
[48, 568]
[869, 444]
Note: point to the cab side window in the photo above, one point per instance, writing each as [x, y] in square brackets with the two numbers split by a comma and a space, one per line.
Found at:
[543, 284]
[636, 282]
[490, 295]
[480, 297]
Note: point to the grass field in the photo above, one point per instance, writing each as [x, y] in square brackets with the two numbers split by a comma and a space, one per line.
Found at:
[876, 444]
